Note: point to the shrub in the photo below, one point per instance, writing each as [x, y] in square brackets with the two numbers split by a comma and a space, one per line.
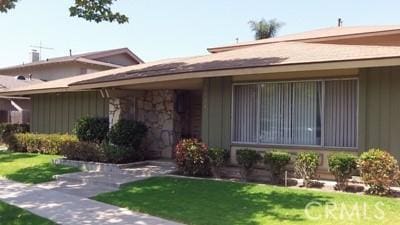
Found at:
[192, 157]
[127, 133]
[6, 129]
[276, 161]
[341, 165]
[379, 170]
[84, 151]
[121, 154]
[90, 129]
[218, 158]
[306, 165]
[247, 159]
[39, 143]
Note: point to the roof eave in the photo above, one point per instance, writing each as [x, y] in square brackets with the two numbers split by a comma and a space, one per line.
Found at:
[316, 39]
[312, 66]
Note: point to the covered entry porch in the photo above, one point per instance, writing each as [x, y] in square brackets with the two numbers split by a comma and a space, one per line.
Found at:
[171, 111]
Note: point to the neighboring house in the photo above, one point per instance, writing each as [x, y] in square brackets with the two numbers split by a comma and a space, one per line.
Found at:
[329, 90]
[54, 69]
[73, 65]
[15, 109]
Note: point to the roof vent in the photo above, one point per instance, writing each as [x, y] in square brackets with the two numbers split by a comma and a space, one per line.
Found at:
[20, 77]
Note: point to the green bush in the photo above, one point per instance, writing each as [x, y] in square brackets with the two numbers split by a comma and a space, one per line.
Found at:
[192, 157]
[341, 165]
[379, 170]
[6, 129]
[39, 143]
[90, 129]
[127, 133]
[306, 165]
[276, 162]
[247, 159]
[84, 151]
[218, 158]
[121, 154]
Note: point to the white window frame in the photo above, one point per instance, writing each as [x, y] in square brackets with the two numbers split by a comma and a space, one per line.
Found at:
[322, 145]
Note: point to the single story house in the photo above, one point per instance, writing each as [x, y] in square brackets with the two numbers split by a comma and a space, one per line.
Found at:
[328, 90]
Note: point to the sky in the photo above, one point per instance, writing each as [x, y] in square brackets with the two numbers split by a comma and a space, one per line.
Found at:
[161, 29]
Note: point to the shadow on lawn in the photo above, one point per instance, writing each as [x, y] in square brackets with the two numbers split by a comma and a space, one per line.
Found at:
[40, 173]
[276, 205]
[10, 157]
[211, 202]
[13, 215]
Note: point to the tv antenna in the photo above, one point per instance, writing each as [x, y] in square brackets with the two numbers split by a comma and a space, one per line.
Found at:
[40, 47]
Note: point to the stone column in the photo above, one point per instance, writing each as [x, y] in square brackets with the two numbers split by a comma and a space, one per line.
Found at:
[114, 111]
[156, 109]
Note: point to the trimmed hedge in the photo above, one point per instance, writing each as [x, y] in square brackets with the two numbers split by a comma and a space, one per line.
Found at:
[7, 129]
[83, 151]
[379, 170]
[306, 165]
[247, 159]
[218, 158]
[276, 161]
[39, 143]
[342, 165]
[121, 154]
[91, 129]
[127, 133]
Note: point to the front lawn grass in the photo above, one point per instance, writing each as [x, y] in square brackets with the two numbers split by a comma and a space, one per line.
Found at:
[30, 168]
[11, 215]
[199, 202]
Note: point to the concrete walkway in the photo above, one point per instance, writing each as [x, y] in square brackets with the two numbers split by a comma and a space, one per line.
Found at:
[67, 209]
[66, 200]
[92, 183]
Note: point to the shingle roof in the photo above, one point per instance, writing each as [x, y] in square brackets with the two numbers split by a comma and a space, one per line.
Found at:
[9, 82]
[260, 56]
[330, 32]
[276, 54]
[88, 58]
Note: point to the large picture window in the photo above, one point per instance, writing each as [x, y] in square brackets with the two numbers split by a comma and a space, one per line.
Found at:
[311, 113]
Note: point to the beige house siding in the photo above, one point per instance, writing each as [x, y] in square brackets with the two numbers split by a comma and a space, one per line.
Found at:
[57, 113]
[120, 59]
[54, 71]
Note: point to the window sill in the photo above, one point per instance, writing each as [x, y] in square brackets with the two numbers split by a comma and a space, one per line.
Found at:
[298, 147]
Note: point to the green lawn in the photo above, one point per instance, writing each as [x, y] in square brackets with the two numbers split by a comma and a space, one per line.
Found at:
[11, 215]
[194, 201]
[30, 168]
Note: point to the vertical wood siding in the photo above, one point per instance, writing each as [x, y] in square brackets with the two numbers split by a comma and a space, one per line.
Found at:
[216, 112]
[57, 112]
[379, 113]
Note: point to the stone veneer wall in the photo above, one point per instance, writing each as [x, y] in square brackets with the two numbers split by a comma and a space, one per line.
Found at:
[156, 108]
[122, 107]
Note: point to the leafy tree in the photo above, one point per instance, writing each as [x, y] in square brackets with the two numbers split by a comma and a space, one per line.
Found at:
[265, 29]
[90, 10]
